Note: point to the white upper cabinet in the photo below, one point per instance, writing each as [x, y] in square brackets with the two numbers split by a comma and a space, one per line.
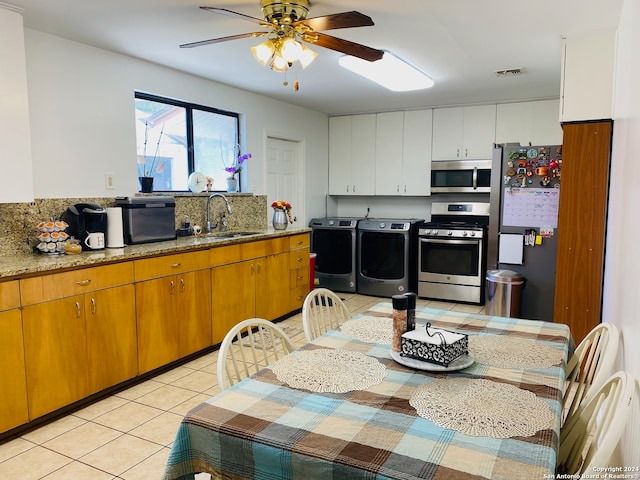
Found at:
[463, 133]
[529, 123]
[389, 140]
[352, 148]
[16, 181]
[588, 76]
[403, 153]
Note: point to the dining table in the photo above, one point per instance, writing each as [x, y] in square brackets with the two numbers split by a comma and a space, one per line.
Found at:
[345, 406]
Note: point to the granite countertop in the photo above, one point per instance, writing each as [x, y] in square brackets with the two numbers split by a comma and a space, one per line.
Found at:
[28, 264]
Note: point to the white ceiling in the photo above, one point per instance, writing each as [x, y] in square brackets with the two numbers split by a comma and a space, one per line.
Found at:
[459, 43]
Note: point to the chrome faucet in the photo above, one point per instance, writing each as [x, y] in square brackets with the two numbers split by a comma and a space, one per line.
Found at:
[211, 226]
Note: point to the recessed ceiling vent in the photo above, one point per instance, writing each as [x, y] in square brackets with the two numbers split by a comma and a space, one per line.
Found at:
[512, 72]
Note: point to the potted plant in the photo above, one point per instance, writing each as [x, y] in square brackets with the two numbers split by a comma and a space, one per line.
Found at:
[146, 172]
[232, 181]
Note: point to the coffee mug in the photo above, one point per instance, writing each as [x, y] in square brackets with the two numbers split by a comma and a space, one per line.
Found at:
[94, 240]
[197, 230]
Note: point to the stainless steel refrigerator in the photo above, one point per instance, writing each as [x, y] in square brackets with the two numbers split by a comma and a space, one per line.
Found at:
[525, 192]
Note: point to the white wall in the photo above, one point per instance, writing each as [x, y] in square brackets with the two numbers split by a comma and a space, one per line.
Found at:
[82, 120]
[622, 267]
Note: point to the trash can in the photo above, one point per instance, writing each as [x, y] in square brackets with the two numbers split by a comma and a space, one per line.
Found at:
[312, 270]
[504, 293]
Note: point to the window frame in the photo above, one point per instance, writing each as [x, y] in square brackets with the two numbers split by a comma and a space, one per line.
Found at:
[189, 108]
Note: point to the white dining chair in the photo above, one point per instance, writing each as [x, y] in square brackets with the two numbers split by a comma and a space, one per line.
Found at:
[322, 311]
[248, 347]
[589, 366]
[590, 436]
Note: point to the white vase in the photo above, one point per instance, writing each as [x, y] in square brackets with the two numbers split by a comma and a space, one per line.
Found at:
[280, 220]
[232, 185]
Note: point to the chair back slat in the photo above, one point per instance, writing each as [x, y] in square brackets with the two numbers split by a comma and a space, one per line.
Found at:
[248, 347]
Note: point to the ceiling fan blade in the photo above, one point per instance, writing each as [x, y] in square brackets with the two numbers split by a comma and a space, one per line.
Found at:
[221, 39]
[230, 13]
[349, 48]
[337, 20]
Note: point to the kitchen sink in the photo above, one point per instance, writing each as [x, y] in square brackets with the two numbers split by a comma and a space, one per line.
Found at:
[229, 234]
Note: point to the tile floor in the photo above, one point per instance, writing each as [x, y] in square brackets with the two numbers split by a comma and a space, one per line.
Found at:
[128, 435]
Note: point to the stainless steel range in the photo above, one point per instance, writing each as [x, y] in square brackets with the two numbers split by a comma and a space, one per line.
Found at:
[452, 255]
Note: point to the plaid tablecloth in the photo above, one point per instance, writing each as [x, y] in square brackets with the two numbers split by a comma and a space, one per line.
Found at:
[263, 429]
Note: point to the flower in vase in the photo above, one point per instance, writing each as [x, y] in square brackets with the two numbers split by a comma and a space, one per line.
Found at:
[284, 206]
[237, 164]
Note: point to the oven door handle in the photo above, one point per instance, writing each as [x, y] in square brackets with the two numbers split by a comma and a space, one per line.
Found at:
[451, 240]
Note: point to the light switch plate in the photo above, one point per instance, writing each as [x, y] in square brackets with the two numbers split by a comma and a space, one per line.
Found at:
[109, 181]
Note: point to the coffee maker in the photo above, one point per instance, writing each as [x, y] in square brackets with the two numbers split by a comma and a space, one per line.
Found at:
[88, 223]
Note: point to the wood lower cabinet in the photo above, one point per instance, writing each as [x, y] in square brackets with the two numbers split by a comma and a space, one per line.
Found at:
[111, 337]
[13, 393]
[582, 217]
[173, 312]
[299, 269]
[55, 346]
[252, 281]
[80, 344]
[65, 336]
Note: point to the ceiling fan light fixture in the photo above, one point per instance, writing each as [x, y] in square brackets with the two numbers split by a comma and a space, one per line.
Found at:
[307, 56]
[263, 52]
[279, 64]
[291, 49]
[390, 71]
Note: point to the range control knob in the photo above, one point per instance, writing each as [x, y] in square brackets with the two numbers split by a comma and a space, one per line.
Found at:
[382, 225]
[450, 233]
[473, 234]
[464, 233]
[332, 223]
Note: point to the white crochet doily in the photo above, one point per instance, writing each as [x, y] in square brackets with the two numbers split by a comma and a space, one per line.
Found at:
[483, 408]
[369, 329]
[335, 371]
[517, 353]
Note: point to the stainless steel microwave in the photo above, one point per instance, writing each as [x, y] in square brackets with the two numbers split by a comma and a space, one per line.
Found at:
[461, 176]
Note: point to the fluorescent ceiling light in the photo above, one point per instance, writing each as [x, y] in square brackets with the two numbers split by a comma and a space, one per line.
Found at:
[390, 72]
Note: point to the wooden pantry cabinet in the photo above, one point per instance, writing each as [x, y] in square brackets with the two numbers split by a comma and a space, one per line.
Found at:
[13, 394]
[173, 307]
[249, 280]
[79, 334]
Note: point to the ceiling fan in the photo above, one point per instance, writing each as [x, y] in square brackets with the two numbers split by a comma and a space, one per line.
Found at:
[289, 29]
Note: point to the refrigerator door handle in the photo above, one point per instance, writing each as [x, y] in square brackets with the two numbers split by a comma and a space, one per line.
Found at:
[475, 178]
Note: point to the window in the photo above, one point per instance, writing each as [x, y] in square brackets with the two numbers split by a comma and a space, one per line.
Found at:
[175, 139]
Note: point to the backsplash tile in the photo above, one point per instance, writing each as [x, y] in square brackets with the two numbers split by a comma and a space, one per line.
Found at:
[19, 220]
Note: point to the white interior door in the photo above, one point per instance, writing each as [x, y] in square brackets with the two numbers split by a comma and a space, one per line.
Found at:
[283, 176]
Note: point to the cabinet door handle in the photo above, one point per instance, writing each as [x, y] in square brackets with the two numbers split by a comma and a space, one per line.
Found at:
[175, 265]
[78, 311]
[83, 283]
[93, 306]
[259, 267]
[354, 189]
[172, 287]
[253, 269]
[300, 242]
[182, 286]
[457, 153]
